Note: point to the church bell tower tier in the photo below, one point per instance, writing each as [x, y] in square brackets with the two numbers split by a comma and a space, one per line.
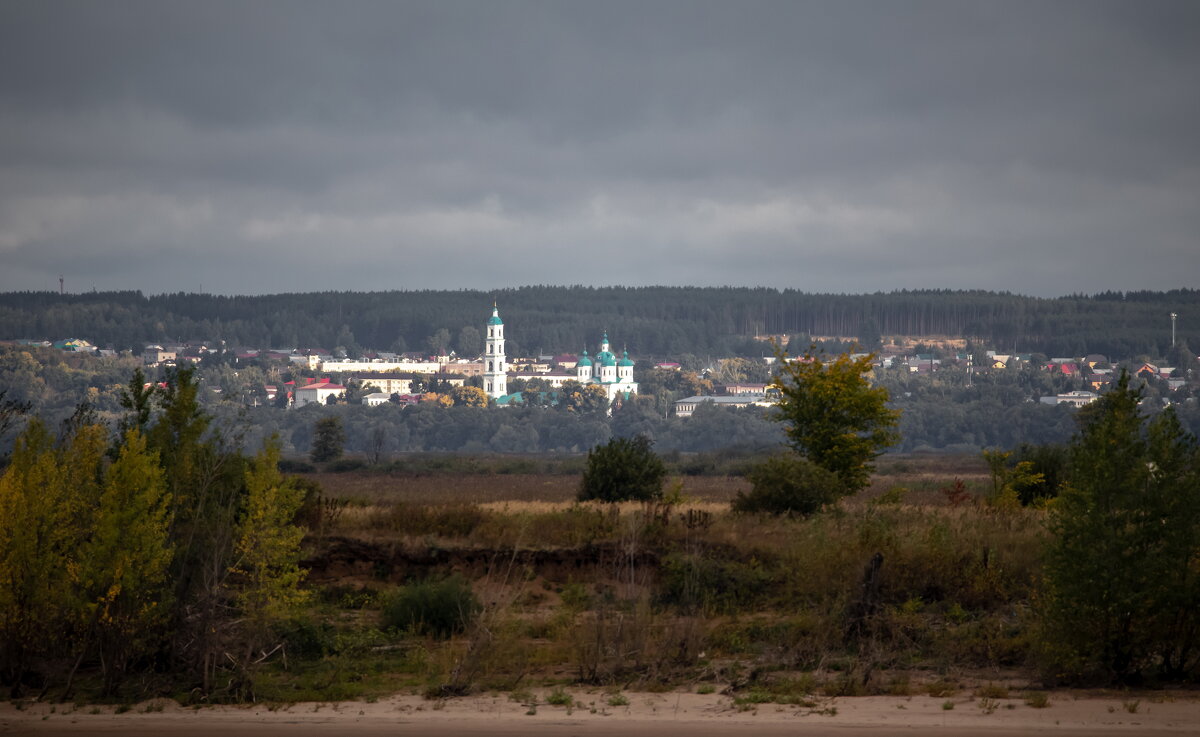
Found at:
[495, 376]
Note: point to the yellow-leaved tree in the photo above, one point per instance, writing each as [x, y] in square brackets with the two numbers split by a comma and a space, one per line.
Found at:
[121, 575]
[266, 569]
[36, 546]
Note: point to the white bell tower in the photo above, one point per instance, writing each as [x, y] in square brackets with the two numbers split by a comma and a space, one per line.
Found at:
[495, 373]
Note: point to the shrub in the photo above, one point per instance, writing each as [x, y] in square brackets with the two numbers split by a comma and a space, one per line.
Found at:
[435, 608]
[788, 484]
[623, 469]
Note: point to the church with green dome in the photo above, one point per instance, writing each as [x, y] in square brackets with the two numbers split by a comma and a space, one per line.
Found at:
[614, 374]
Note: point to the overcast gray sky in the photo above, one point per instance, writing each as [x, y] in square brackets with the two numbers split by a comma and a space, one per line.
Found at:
[1043, 148]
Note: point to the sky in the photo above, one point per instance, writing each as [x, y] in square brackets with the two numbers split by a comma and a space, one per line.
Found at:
[1041, 148]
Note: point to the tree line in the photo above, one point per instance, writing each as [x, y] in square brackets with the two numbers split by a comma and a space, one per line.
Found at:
[650, 321]
[151, 552]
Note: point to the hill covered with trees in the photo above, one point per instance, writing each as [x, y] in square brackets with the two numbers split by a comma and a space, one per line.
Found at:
[651, 321]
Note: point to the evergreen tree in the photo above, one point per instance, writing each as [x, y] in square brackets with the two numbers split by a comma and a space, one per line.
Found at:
[1122, 597]
[329, 439]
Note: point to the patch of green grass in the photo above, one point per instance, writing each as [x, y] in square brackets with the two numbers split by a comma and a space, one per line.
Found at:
[618, 700]
[559, 697]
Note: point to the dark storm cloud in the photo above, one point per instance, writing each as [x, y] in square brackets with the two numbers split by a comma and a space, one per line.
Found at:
[1042, 148]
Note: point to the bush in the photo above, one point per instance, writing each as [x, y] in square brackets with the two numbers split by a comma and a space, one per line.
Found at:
[435, 608]
[623, 469]
[788, 484]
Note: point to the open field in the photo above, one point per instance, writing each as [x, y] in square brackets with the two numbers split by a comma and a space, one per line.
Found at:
[662, 596]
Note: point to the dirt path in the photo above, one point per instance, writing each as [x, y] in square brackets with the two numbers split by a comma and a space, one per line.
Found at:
[646, 714]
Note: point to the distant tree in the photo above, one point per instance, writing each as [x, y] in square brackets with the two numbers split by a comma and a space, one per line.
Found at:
[438, 343]
[437, 399]
[623, 469]
[833, 416]
[377, 441]
[328, 440]
[137, 398]
[469, 343]
[468, 396]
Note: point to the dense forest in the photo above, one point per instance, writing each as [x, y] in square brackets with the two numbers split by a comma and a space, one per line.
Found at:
[650, 321]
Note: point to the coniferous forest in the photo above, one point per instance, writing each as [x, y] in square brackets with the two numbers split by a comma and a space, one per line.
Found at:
[650, 321]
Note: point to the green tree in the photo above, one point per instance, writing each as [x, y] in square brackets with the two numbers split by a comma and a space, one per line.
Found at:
[329, 440]
[834, 417]
[623, 469]
[36, 548]
[1121, 595]
[121, 574]
[266, 570]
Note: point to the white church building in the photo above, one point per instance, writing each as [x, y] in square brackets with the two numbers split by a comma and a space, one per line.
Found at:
[495, 372]
[616, 377]
[605, 370]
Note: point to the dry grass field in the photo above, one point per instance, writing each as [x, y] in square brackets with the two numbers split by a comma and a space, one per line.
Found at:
[655, 595]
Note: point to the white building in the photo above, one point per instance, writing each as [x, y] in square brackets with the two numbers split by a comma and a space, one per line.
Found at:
[616, 377]
[495, 376]
[317, 393]
[1075, 398]
[687, 406]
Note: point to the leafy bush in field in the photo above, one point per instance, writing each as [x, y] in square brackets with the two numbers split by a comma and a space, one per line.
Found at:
[623, 469]
[700, 583]
[436, 608]
[788, 484]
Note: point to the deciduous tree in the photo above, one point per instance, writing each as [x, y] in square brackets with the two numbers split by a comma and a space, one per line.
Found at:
[621, 469]
[834, 417]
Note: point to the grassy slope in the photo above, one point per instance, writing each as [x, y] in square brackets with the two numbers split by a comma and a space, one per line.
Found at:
[658, 596]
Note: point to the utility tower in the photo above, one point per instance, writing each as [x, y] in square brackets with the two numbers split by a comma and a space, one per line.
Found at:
[1173, 318]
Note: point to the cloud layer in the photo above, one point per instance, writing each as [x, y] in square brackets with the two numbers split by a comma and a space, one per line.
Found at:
[1040, 148]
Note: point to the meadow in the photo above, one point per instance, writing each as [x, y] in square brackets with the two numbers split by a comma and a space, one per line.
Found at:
[916, 585]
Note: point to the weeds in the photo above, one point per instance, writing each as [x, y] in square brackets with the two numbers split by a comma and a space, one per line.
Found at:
[1037, 699]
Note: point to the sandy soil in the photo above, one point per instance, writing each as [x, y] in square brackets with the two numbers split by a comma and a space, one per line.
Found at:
[646, 714]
